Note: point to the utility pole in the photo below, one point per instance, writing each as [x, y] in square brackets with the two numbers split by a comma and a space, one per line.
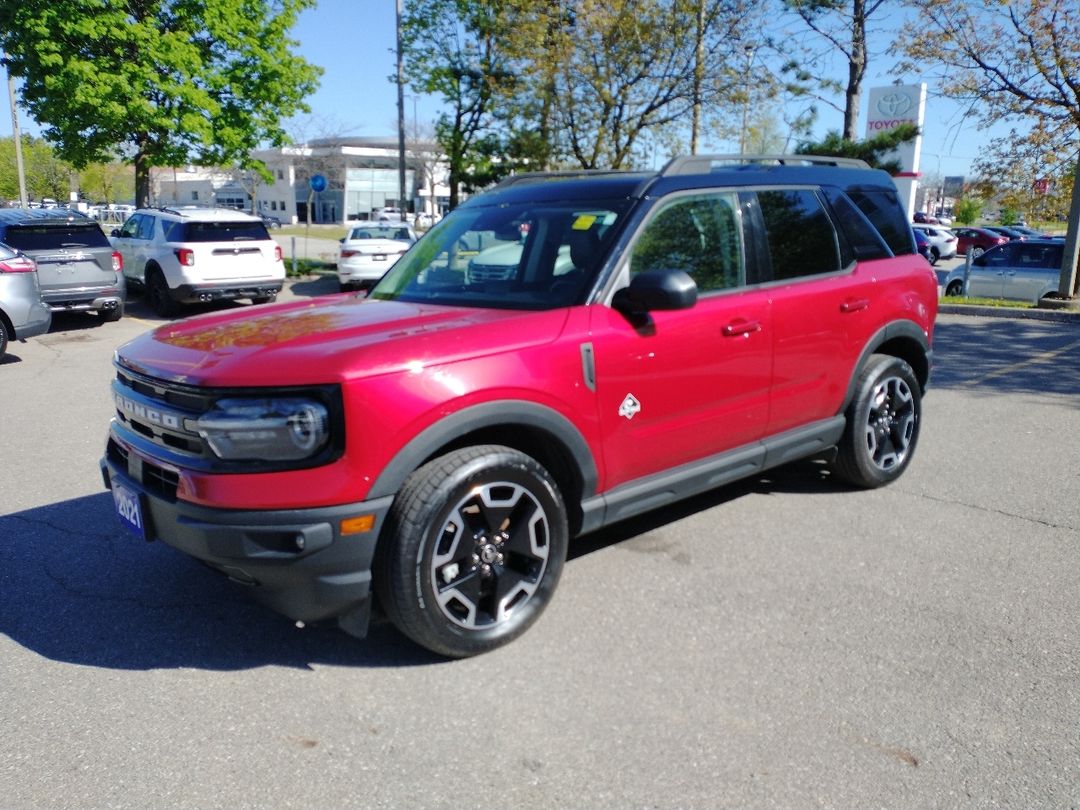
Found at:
[1071, 255]
[17, 135]
[748, 51]
[400, 117]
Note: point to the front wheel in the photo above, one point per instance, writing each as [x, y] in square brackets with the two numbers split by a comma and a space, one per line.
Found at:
[955, 288]
[882, 424]
[474, 547]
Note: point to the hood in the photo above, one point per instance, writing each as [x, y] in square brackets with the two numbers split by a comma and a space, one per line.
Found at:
[329, 339]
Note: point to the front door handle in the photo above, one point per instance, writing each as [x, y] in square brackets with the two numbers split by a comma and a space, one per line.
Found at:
[741, 328]
[855, 304]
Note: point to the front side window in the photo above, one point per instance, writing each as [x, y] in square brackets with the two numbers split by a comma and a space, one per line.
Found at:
[698, 234]
[800, 234]
[517, 256]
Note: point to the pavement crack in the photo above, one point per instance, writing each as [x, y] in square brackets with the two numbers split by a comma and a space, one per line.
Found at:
[992, 511]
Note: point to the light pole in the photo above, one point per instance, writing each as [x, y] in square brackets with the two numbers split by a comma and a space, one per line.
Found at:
[401, 116]
[748, 52]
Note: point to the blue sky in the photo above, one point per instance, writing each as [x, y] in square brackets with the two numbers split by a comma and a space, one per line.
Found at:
[353, 41]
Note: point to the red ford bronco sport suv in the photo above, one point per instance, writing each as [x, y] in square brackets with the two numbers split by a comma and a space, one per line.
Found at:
[559, 353]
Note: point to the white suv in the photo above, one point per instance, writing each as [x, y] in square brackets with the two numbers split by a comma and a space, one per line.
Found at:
[188, 254]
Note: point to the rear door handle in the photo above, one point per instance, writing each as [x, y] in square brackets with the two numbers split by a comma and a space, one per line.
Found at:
[741, 328]
[855, 304]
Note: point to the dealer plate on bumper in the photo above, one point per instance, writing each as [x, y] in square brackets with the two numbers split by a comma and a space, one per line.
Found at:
[129, 507]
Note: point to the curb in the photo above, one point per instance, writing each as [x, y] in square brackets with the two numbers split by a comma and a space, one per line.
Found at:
[1058, 315]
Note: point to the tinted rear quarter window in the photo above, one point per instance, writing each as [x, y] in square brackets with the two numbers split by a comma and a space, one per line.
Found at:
[55, 237]
[882, 207]
[234, 231]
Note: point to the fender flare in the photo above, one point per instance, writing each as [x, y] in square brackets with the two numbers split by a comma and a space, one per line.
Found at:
[501, 413]
[891, 331]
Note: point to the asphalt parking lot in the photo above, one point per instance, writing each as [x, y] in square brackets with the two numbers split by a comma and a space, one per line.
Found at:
[780, 643]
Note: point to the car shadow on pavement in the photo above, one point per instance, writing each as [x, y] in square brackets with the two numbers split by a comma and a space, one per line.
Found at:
[74, 587]
[314, 286]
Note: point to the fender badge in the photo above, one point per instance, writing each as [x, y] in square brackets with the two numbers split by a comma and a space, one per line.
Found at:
[630, 406]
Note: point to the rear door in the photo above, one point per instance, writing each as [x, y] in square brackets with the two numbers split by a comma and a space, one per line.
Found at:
[71, 256]
[988, 271]
[1037, 267]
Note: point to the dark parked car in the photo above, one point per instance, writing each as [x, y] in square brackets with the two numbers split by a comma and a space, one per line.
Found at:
[22, 312]
[922, 244]
[977, 240]
[78, 270]
[269, 221]
[1010, 232]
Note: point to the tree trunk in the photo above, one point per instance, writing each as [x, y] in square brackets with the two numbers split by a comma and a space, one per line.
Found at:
[142, 176]
[856, 70]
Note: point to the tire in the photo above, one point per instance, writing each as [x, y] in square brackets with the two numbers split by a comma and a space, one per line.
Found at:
[157, 293]
[3, 341]
[935, 255]
[955, 288]
[882, 424]
[977, 251]
[264, 299]
[344, 287]
[111, 315]
[473, 550]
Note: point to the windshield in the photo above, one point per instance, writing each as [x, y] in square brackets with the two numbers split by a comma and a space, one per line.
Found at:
[518, 256]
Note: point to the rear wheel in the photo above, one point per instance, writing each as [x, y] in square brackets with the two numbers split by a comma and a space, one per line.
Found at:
[3, 340]
[955, 288]
[157, 293]
[882, 424]
[935, 254]
[977, 251]
[111, 315]
[475, 544]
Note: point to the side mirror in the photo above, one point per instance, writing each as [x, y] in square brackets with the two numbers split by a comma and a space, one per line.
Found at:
[655, 291]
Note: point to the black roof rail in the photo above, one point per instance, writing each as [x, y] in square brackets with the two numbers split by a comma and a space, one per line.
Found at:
[567, 174]
[704, 164]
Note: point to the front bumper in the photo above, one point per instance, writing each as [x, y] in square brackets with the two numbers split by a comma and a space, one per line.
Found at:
[296, 561]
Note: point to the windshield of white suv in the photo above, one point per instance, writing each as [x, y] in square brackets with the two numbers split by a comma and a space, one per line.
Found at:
[510, 257]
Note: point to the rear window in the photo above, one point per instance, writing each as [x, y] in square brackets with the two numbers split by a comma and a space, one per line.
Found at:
[54, 237]
[235, 231]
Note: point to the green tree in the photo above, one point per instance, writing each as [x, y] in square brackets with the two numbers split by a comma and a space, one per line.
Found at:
[874, 150]
[841, 26]
[1013, 62]
[967, 210]
[107, 182]
[163, 82]
[46, 174]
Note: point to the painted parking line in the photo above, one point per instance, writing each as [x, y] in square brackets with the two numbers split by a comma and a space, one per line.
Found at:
[1042, 357]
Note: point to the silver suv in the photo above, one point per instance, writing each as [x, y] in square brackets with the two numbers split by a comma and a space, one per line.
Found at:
[22, 312]
[78, 270]
[188, 254]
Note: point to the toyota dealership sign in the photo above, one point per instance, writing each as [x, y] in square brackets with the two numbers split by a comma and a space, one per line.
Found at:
[888, 108]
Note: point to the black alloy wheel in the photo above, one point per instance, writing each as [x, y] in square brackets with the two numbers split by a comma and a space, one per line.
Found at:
[475, 545]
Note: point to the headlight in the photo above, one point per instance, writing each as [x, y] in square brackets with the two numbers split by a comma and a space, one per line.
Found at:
[273, 429]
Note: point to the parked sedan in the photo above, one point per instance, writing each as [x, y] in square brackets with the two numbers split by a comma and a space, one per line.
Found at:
[942, 241]
[922, 244]
[977, 240]
[368, 251]
[22, 312]
[1008, 231]
[1016, 271]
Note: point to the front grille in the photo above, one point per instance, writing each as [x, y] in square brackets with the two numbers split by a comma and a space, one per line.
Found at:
[491, 272]
[162, 412]
[156, 479]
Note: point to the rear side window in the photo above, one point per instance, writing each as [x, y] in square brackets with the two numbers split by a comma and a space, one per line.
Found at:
[800, 234]
[234, 231]
[861, 242]
[54, 237]
[882, 207]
